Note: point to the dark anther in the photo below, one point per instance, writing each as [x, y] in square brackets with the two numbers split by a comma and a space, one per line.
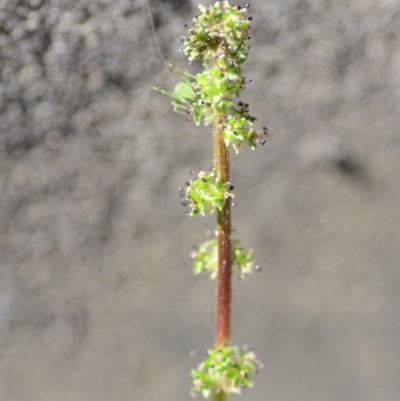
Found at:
[238, 7]
[248, 37]
[185, 26]
[231, 187]
[244, 82]
[204, 180]
[187, 183]
[250, 18]
[183, 203]
[240, 104]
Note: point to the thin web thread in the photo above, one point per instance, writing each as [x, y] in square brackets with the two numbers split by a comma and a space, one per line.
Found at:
[153, 30]
[162, 58]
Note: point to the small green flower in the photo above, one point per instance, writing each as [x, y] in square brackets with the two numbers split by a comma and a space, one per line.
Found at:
[205, 259]
[205, 193]
[225, 369]
[238, 129]
[218, 29]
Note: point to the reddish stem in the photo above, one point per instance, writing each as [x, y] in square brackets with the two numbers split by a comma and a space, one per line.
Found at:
[221, 163]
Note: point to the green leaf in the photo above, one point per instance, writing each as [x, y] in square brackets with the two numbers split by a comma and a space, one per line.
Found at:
[184, 91]
[170, 94]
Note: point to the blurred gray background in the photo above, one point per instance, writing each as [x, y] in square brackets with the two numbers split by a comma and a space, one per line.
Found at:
[97, 298]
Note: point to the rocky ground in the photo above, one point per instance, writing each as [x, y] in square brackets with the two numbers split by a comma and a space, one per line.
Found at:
[97, 301]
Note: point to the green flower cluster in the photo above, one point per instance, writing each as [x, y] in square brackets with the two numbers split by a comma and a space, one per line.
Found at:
[225, 369]
[238, 129]
[205, 193]
[205, 259]
[218, 38]
[218, 32]
[219, 85]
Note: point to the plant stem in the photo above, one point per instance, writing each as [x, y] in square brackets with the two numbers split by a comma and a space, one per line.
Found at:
[221, 164]
[221, 396]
